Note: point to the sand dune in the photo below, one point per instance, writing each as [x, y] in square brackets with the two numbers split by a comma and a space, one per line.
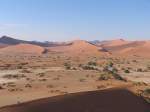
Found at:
[22, 49]
[112, 100]
[80, 47]
[113, 43]
[128, 48]
[140, 50]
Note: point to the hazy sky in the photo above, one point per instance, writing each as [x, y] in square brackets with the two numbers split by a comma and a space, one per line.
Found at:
[58, 20]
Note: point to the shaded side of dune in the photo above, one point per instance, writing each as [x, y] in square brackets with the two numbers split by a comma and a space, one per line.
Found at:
[112, 100]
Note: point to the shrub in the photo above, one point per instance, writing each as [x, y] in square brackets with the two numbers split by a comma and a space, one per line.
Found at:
[126, 71]
[118, 77]
[92, 63]
[139, 70]
[28, 86]
[108, 75]
[67, 66]
[19, 67]
[147, 91]
[105, 76]
[86, 67]
[110, 64]
[1, 87]
[139, 84]
[82, 80]
[80, 65]
[26, 71]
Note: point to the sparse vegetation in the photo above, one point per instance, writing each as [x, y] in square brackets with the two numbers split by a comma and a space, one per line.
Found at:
[67, 66]
[110, 64]
[1, 87]
[139, 70]
[82, 80]
[59, 74]
[147, 91]
[139, 84]
[28, 86]
[105, 76]
[92, 63]
[126, 71]
[87, 67]
[26, 71]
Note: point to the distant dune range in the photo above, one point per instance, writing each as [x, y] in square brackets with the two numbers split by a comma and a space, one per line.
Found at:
[94, 101]
[74, 48]
[118, 47]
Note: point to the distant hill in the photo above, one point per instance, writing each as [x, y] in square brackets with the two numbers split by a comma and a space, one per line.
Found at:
[12, 41]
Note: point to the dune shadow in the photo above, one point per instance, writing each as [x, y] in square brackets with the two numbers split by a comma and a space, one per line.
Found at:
[111, 100]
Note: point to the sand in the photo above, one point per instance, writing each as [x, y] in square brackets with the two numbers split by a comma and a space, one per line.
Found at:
[94, 101]
[22, 49]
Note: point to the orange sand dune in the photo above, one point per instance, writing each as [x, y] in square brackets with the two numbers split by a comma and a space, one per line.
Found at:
[80, 48]
[140, 50]
[22, 49]
[117, 42]
[111, 100]
[125, 46]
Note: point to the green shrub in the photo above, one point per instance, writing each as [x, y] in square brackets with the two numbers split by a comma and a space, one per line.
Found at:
[147, 91]
[105, 76]
[126, 71]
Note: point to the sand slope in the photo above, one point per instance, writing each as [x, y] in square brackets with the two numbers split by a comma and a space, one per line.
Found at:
[112, 100]
[80, 48]
[140, 50]
[22, 49]
[117, 42]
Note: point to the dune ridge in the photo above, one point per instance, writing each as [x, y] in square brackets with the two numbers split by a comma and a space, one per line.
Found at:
[80, 47]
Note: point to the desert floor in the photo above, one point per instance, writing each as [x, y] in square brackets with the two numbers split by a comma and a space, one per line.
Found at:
[26, 78]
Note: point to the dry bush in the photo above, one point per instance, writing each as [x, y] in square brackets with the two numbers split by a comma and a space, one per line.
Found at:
[28, 86]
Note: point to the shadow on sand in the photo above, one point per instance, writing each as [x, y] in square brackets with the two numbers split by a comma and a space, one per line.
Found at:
[111, 100]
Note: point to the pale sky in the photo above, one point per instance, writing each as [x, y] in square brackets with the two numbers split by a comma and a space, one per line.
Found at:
[61, 20]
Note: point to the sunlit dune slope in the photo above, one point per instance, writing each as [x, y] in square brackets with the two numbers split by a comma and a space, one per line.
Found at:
[22, 49]
[80, 48]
